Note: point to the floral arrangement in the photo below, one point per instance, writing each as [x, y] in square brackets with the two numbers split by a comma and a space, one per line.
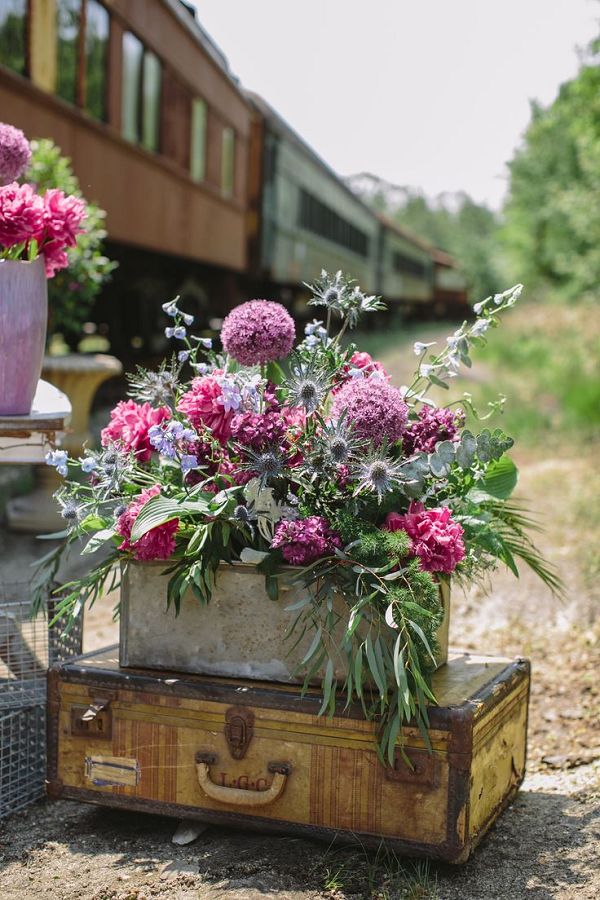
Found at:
[32, 224]
[307, 456]
[73, 290]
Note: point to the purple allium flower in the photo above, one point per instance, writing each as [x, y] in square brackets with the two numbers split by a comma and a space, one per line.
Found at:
[433, 425]
[301, 541]
[15, 153]
[375, 411]
[258, 332]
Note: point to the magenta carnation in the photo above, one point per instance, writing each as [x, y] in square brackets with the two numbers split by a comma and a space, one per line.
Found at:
[21, 214]
[304, 540]
[258, 332]
[374, 409]
[435, 538]
[158, 543]
[432, 426]
[15, 153]
[203, 405]
[129, 425]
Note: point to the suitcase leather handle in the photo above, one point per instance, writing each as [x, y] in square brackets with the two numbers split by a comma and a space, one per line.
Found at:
[239, 796]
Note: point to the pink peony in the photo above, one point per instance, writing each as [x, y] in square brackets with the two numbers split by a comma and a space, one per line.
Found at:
[55, 258]
[129, 425]
[15, 153]
[435, 539]
[432, 426]
[304, 540]
[368, 366]
[257, 332]
[21, 214]
[203, 406]
[158, 543]
[63, 217]
[62, 223]
[374, 409]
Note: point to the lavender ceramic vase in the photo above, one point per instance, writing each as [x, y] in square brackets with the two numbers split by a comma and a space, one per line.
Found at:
[23, 320]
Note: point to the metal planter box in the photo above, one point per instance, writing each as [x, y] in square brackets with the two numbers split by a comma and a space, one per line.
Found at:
[241, 633]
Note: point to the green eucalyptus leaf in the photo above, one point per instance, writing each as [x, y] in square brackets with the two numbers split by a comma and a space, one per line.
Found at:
[465, 452]
[446, 451]
[439, 467]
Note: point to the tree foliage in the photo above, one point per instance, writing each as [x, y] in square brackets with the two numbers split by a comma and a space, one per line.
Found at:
[552, 229]
[452, 222]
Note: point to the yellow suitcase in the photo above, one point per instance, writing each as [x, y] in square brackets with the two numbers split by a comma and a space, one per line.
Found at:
[255, 754]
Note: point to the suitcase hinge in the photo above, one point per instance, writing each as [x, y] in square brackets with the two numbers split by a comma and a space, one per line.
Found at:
[239, 725]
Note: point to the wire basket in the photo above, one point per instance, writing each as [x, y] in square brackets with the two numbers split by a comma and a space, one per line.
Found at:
[22, 757]
[28, 646]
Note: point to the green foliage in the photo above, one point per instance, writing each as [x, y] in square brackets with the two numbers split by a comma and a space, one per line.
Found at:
[552, 214]
[73, 290]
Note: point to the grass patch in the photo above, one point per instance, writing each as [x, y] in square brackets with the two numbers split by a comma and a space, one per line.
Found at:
[544, 357]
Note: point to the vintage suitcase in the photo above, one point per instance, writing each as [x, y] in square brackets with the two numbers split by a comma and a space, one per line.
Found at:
[255, 754]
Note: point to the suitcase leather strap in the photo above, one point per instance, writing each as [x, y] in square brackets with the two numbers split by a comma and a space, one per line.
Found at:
[240, 796]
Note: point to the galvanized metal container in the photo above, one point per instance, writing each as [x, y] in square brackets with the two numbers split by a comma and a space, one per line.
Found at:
[241, 633]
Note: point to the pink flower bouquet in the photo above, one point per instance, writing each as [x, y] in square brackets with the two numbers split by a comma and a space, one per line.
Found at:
[304, 454]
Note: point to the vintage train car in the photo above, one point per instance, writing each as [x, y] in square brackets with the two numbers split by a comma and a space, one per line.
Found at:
[303, 217]
[406, 270]
[158, 131]
[450, 294]
[209, 192]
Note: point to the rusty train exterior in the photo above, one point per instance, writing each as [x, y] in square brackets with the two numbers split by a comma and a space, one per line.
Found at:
[209, 193]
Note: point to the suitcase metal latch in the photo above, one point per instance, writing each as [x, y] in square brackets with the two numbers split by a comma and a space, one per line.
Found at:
[94, 720]
[239, 726]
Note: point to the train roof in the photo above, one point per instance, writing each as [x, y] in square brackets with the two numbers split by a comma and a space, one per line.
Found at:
[186, 15]
[279, 124]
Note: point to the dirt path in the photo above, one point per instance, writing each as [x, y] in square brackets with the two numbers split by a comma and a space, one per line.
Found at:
[545, 846]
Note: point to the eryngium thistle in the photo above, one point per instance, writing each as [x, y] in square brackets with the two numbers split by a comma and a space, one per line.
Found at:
[329, 291]
[338, 444]
[307, 385]
[157, 388]
[377, 473]
[267, 464]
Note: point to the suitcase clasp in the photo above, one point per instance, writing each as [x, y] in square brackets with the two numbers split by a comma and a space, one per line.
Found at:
[239, 727]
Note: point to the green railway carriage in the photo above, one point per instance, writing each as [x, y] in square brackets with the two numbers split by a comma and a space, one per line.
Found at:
[307, 218]
[406, 273]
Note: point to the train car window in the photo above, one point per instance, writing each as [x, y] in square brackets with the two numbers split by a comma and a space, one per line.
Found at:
[151, 83]
[198, 140]
[409, 266]
[316, 216]
[68, 18]
[227, 162]
[13, 35]
[133, 54]
[97, 27]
